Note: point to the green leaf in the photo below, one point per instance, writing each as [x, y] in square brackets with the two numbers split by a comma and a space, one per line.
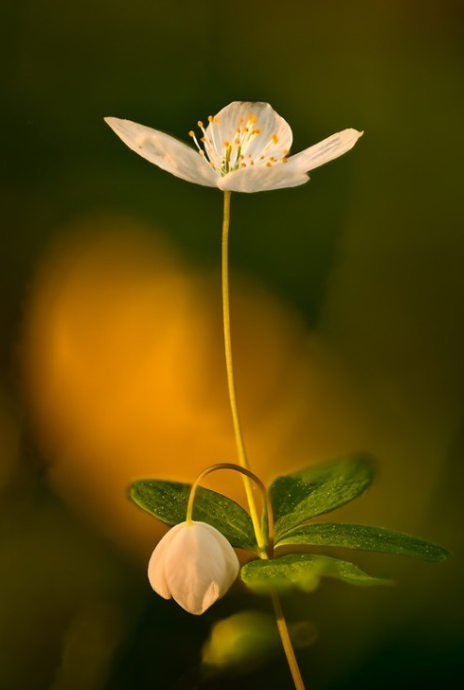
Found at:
[167, 501]
[303, 570]
[365, 538]
[316, 490]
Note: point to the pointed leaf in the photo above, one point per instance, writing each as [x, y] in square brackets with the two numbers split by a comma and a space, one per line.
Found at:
[365, 538]
[168, 502]
[316, 490]
[303, 570]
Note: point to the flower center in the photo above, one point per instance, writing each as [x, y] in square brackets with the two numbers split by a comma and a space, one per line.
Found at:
[245, 148]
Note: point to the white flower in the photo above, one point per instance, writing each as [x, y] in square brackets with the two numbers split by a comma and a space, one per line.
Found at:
[194, 564]
[244, 148]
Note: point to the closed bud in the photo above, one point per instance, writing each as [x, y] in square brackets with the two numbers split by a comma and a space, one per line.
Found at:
[194, 564]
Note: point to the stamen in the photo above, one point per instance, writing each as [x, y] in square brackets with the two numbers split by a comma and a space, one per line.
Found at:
[233, 155]
[192, 134]
[215, 149]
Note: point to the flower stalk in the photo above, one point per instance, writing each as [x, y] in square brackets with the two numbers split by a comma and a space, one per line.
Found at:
[287, 642]
[241, 451]
[239, 440]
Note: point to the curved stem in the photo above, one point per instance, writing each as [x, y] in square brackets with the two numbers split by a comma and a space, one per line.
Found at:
[267, 505]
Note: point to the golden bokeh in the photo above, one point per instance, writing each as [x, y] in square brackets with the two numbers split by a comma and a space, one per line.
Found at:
[125, 376]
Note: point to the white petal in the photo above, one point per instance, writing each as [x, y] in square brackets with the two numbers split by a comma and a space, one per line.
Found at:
[232, 565]
[156, 574]
[262, 179]
[164, 151]
[195, 569]
[324, 151]
[267, 120]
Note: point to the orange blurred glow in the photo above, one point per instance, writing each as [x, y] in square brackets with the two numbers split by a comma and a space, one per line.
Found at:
[124, 373]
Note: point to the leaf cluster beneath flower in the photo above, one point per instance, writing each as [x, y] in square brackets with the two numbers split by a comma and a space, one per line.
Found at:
[296, 499]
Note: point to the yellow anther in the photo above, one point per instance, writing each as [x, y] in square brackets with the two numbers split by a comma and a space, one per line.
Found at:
[210, 118]
[226, 143]
[200, 124]
[252, 119]
[203, 139]
[252, 162]
[275, 138]
[284, 160]
[237, 142]
[241, 120]
[192, 134]
[246, 129]
[238, 130]
[243, 165]
[268, 164]
[256, 130]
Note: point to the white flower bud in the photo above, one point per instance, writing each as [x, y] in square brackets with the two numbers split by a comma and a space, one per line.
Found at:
[194, 564]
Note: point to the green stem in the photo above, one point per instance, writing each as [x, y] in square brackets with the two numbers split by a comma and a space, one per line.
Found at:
[242, 456]
[287, 643]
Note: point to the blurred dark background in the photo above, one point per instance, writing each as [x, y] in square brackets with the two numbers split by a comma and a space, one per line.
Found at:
[348, 327]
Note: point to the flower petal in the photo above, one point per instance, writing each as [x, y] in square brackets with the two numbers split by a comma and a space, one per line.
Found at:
[164, 151]
[156, 574]
[275, 132]
[324, 151]
[232, 565]
[195, 568]
[262, 179]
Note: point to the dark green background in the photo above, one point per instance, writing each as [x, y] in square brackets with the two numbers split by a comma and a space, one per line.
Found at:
[370, 252]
